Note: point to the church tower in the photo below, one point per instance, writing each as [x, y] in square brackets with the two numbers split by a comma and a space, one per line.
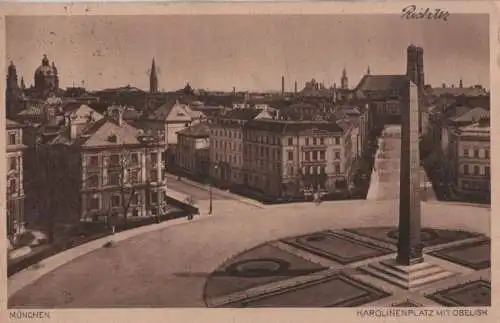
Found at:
[415, 66]
[153, 78]
[12, 92]
[344, 81]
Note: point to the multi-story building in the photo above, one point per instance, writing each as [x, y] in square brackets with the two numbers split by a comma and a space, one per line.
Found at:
[15, 178]
[226, 145]
[294, 158]
[468, 159]
[96, 169]
[193, 150]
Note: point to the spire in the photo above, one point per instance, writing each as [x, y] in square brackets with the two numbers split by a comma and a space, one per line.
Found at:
[23, 86]
[344, 80]
[368, 72]
[54, 68]
[461, 83]
[153, 78]
[45, 60]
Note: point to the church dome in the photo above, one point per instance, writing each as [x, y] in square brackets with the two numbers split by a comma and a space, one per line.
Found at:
[45, 69]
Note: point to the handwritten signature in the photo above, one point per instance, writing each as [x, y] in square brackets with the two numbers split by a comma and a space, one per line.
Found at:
[412, 12]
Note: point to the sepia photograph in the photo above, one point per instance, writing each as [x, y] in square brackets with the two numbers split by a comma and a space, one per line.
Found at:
[248, 160]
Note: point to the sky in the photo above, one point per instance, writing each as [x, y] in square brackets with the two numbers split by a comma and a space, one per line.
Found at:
[251, 53]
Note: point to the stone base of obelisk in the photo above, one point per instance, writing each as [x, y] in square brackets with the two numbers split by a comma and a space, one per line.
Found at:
[408, 277]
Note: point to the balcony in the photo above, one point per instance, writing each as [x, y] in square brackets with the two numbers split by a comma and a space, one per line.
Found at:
[313, 147]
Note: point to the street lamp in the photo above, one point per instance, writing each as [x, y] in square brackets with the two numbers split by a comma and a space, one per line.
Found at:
[210, 193]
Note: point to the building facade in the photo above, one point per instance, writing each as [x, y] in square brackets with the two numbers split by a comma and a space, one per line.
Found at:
[100, 170]
[193, 150]
[296, 158]
[469, 160]
[226, 145]
[15, 178]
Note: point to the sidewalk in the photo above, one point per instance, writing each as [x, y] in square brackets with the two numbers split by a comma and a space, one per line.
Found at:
[31, 274]
[215, 189]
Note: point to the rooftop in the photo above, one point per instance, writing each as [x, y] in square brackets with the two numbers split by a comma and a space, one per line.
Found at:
[198, 130]
[371, 83]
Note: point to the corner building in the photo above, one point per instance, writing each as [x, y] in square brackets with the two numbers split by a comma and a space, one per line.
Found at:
[290, 159]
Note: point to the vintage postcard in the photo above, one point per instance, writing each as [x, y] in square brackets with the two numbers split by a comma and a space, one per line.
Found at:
[292, 162]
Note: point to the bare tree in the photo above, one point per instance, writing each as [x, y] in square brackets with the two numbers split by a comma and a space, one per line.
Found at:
[128, 179]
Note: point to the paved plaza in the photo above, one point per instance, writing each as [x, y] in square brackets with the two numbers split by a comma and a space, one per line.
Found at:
[249, 255]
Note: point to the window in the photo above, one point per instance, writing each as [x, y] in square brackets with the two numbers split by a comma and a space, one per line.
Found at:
[93, 161]
[113, 178]
[115, 201]
[114, 160]
[93, 180]
[94, 203]
[487, 171]
[12, 163]
[315, 141]
[12, 186]
[134, 158]
[308, 155]
[154, 197]
[134, 199]
[307, 141]
[134, 176]
[337, 155]
[290, 155]
[337, 140]
[153, 175]
[476, 153]
[154, 158]
[466, 169]
[322, 155]
[476, 170]
[321, 141]
[12, 139]
[466, 152]
[314, 155]
[487, 153]
[337, 168]
[290, 141]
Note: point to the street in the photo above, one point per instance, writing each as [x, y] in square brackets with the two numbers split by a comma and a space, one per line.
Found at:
[222, 201]
[384, 184]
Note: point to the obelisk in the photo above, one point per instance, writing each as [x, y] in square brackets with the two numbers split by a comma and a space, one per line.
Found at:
[409, 243]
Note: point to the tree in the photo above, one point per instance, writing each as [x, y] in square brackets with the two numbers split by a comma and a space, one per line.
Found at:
[127, 180]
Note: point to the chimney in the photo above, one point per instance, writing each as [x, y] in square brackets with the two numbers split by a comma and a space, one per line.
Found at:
[461, 84]
[295, 86]
[73, 127]
[282, 85]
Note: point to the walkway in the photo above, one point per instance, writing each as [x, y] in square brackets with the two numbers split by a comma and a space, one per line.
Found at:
[156, 266]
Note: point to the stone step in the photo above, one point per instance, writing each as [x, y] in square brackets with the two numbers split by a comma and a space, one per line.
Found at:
[432, 270]
[408, 281]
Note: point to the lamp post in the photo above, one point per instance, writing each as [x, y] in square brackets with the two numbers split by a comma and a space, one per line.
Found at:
[210, 207]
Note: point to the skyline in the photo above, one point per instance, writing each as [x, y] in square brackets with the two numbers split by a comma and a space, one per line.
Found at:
[251, 55]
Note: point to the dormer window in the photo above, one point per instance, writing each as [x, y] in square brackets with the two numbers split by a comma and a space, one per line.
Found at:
[112, 138]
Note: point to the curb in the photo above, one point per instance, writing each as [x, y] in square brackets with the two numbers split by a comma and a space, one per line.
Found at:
[30, 275]
[219, 191]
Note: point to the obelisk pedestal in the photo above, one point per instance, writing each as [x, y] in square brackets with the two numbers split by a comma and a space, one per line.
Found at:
[409, 270]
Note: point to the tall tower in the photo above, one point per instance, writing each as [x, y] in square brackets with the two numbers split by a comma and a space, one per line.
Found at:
[344, 81]
[415, 66]
[153, 78]
[12, 92]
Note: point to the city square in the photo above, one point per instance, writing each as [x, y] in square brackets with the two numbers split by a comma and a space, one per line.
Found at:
[356, 181]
